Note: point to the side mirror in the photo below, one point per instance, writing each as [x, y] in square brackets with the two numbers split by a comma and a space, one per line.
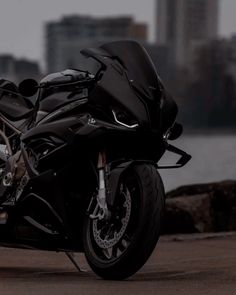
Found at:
[175, 131]
[28, 87]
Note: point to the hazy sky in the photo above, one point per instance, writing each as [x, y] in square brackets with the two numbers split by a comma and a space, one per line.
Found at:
[21, 21]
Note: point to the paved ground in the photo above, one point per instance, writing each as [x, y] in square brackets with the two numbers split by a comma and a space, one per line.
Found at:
[183, 265]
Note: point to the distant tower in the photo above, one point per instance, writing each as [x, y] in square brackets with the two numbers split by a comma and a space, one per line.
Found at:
[182, 25]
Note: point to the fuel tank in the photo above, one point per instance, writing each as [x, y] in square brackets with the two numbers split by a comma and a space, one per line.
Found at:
[54, 98]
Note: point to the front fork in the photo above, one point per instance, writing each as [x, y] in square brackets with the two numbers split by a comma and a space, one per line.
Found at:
[101, 209]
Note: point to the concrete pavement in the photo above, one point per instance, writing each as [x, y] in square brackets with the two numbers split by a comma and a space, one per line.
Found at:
[179, 265]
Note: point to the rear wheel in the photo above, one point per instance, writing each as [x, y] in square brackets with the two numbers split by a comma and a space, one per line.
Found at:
[117, 248]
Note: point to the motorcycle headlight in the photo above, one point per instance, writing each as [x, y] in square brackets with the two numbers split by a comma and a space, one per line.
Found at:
[124, 119]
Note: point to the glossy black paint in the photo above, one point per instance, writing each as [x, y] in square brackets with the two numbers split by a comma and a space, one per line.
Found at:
[71, 122]
[130, 79]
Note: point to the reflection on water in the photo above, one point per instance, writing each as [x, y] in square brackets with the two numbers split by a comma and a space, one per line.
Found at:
[214, 159]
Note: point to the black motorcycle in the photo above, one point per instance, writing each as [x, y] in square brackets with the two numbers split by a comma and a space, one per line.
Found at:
[78, 168]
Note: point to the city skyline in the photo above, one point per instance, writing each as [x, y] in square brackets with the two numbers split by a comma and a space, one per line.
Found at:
[184, 25]
[68, 36]
[22, 21]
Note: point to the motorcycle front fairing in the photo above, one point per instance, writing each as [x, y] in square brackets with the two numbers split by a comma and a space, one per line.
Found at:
[129, 79]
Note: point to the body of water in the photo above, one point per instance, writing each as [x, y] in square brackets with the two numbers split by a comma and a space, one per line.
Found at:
[213, 159]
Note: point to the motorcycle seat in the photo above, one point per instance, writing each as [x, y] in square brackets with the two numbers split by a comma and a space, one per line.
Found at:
[12, 105]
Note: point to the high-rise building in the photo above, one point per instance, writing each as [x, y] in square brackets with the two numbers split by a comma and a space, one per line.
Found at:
[7, 67]
[66, 37]
[183, 25]
[16, 70]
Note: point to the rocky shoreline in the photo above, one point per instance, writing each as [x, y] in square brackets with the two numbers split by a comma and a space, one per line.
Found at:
[201, 208]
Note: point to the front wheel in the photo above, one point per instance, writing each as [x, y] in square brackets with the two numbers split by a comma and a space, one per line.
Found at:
[118, 248]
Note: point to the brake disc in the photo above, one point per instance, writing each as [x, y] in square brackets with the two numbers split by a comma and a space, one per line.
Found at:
[106, 241]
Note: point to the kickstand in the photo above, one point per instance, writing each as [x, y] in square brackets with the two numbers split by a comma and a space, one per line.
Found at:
[70, 255]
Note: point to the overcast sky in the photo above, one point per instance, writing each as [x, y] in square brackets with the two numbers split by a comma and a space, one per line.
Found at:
[21, 21]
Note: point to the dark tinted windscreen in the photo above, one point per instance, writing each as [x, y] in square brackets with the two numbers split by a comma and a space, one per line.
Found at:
[138, 64]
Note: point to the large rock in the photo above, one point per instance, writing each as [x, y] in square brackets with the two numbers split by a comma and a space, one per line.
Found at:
[201, 208]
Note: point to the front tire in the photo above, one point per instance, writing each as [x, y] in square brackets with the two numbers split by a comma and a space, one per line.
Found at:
[118, 249]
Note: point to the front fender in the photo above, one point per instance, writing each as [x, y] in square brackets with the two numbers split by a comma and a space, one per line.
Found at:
[115, 176]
